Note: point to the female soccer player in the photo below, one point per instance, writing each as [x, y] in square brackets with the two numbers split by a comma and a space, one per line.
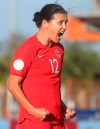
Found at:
[35, 73]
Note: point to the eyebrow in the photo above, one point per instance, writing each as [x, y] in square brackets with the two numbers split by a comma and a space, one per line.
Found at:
[65, 20]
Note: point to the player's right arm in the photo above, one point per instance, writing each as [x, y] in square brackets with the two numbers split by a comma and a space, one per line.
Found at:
[14, 86]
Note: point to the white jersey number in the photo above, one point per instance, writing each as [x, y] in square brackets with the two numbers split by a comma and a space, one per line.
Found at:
[54, 69]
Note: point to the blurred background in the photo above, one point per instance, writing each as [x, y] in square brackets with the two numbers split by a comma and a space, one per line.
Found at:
[81, 67]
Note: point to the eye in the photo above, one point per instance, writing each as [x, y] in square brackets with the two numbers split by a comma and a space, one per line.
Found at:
[60, 23]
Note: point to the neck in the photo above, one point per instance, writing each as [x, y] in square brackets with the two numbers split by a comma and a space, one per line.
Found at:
[43, 38]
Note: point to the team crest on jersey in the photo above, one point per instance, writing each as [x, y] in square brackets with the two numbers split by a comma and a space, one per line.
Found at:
[58, 53]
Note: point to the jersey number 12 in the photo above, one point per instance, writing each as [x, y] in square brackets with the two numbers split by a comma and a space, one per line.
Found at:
[52, 62]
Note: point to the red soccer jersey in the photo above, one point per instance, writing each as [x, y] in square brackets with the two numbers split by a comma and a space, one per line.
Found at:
[41, 68]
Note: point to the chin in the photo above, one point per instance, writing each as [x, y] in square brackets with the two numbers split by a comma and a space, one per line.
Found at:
[56, 40]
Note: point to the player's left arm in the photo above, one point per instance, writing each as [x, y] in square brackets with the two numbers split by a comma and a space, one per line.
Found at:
[69, 113]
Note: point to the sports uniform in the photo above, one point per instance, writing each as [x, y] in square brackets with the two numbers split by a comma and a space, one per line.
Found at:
[41, 68]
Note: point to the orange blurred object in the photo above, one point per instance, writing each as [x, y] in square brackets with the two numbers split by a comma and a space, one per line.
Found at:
[83, 29]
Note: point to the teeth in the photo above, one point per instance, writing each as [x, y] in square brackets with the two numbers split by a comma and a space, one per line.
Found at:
[61, 33]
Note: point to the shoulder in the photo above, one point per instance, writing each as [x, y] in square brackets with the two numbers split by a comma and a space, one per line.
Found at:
[28, 45]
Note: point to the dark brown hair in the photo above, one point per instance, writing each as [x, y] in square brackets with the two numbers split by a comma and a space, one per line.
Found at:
[47, 13]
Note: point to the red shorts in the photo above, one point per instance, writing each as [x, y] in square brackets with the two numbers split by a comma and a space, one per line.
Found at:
[28, 124]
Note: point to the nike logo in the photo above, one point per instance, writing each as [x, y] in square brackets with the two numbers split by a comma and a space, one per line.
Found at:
[41, 56]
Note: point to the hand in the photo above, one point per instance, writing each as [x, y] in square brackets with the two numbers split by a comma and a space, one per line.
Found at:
[70, 113]
[41, 113]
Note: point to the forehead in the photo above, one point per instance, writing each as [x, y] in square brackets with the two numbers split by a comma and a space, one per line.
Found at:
[59, 16]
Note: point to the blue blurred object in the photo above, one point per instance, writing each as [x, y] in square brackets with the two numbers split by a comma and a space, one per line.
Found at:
[90, 114]
[88, 125]
[4, 124]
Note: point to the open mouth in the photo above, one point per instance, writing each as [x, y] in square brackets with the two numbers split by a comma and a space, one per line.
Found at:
[60, 34]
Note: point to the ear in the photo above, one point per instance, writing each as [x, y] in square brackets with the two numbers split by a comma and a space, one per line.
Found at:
[45, 24]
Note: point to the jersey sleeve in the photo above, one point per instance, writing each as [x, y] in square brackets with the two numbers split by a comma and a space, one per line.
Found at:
[21, 61]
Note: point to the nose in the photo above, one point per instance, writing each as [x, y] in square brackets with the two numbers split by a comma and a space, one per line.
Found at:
[64, 26]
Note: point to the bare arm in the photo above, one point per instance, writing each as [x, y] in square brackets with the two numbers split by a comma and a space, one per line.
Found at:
[14, 86]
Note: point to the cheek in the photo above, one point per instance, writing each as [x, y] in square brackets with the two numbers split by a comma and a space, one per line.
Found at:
[53, 31]
[53, 35]
[53, 28]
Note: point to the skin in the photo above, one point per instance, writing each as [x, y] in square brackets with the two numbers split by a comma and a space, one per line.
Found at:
[49, 29]
[48, 32]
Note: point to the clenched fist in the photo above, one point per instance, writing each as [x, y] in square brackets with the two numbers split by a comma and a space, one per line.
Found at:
[41, 113]
[70, 113]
